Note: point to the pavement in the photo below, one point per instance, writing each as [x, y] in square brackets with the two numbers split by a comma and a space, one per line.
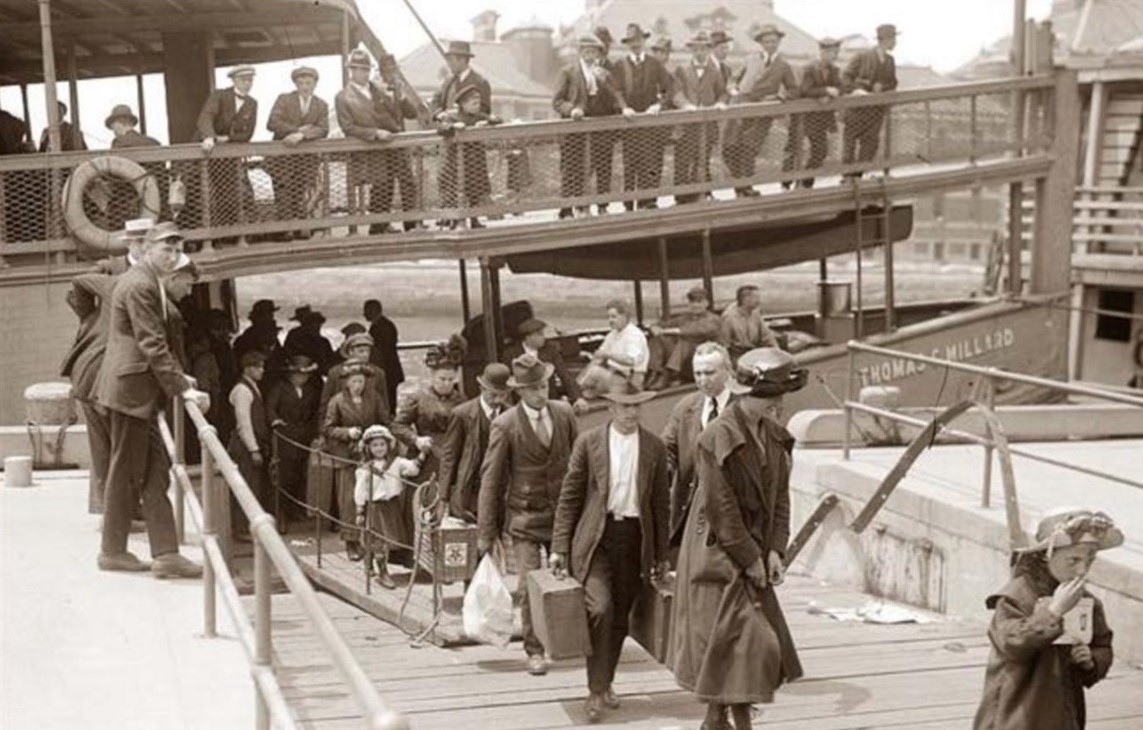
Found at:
[83, 648]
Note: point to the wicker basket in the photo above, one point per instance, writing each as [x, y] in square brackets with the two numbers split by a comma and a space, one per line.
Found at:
[448, 553]
[50, 404]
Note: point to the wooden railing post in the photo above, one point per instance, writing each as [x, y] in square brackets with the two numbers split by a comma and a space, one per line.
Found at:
[990, 402]
[209, 531]
[262, 615]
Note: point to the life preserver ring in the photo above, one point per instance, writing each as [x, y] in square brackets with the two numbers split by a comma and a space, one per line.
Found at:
[83, 228]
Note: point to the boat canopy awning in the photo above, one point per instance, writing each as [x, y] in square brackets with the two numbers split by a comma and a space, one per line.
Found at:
[126, 37]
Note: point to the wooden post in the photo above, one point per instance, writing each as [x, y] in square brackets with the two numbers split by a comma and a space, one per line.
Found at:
[1055, 197]
[638, 302]
[884, 222]
[49, 53]
[497, 315]
[465, 307]
[27, 113]
[491, 345]
[1016, 189]
[346, 44]
[664, 280]
[1091, 158]
[707, 267]
[142, 103]
[73, 95]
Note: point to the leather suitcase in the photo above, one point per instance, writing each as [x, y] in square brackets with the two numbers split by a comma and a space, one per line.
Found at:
[559, 614]
[651, 618]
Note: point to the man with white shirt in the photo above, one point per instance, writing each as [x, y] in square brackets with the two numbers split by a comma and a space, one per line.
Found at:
[528, 450]
[229, 116]
[250, 441]
[689, 417]
[296, 117]
[624, 340]
[612, 529]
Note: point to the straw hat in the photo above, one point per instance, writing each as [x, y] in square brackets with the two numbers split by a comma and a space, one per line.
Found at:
[375, 432]
[1067, 526]
[241, 70]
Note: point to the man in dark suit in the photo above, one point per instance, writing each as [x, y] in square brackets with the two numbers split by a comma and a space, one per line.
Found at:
[228, 116]
[644, 84]
[296, 117]
[71, 139]
[820, 80]
[586, 89]
[292, 410]
[720, 57]
[531, 340]
[461, 75]
[466, 441]
[384, 353]
[611, 530]
[689, 417]
[307, 339]
[139, 374]
[402, 102]
[768, 77]
[698, 84]
[528, 450]
[871, 71]
[124, 200]
[262, 334]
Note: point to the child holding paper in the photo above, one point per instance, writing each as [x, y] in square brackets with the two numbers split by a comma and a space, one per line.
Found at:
[1050, 638]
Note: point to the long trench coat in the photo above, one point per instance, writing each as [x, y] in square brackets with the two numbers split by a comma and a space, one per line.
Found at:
[425, 413]
[730, 642]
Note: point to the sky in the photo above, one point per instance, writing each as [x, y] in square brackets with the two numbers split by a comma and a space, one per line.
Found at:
[943, 35]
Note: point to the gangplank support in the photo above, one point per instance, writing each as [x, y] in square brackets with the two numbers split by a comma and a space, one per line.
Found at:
[465, 307]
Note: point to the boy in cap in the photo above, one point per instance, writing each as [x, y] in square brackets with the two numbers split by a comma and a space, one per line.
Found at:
[229, 115]
[459, 57]
[477, 186]
[871, 71]
[644, 84]
[820, 80]
[698, 84]
[296, 117]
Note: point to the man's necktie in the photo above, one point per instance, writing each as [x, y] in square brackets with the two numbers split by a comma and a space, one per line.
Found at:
[542, 432]
[713, 410]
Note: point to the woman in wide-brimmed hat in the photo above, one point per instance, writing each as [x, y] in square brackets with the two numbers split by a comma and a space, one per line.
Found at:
[422, 417]
[1041, 660]
[730, 643]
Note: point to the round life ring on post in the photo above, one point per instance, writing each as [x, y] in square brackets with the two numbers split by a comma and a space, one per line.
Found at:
[85, 230]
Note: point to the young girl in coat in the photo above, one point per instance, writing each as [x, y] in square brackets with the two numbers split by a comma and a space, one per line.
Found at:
[1037, 672]
[384, 504]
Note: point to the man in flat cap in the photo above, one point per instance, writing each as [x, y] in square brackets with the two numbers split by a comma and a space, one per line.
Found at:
[871, 71]
[699, 84]
[768, 77]
[296, 117]
[586, 89]
[228, 116]
[645, 84]
[821, 80]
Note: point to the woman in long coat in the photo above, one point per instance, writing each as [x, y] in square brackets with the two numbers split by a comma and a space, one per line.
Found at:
[422, 417]
[730, 644]
[348, 414]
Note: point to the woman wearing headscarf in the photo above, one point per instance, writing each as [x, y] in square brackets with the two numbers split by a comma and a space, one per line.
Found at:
[731, 645]
[422, 417]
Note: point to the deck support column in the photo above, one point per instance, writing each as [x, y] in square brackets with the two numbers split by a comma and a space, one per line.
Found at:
[638, 285]
[465, 307]
[50, 99]
[664, 280]
[1055, 196]
[1016, 189]
[885, 223]
[488, 307]
[707, 267]
[142, 103]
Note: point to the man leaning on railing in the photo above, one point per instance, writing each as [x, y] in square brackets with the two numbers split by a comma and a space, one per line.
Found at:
[296, 117]
[872, 71]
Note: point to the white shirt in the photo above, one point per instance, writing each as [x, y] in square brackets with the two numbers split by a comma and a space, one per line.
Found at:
[589, 78]
[622, 491]
[304, 101]
[637, 59]
[242, 398]
[377, 481]
[489, 411]
[535, 417]
[630, 342]
[723, 400]
[239, 100]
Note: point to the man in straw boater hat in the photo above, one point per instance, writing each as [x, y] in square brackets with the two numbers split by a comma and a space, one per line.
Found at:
[767, 77]
[585, 88]
[459, 57]
[611, 530]
[297, 116]
[292, 410]
[699, 84]
[1049, 635]
[528, 450]
[466, 442]
[821, 80]
[229, 115]
[644, 84]
[730, 645]
[871, 71]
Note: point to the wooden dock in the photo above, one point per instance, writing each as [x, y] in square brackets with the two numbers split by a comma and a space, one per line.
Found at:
[921, 676]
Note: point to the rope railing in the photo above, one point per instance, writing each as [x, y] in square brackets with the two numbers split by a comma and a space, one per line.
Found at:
[271, 554]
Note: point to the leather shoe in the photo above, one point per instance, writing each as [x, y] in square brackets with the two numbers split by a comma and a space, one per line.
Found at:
[537, 667]
[593, 707]
[610, 699]
[353, 551]
[124, 562]
[173, 565]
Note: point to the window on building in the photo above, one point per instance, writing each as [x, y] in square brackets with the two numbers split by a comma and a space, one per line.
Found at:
[921, 248]
[1110, 326]
[956, 250]
[974, 251]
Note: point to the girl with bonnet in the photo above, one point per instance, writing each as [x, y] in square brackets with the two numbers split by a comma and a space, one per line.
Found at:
[384, 505]
[1037, 670]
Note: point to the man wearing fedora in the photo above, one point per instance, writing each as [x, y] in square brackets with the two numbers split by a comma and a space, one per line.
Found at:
[461, 75]
[296, 117]
[767, 77]
[720, 42]
[661, 50]
[644, 84]
[531, 339]
[528, 450]
[698, 84]
[262, 334]
[292, 409]
[229, 115]
[307, 339]
[821, 80]
[611, 530]
[466, 442]
[871, 71]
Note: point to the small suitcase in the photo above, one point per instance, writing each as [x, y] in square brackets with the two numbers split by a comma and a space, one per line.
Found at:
[448, 553]
[559, 614]
[651, 617]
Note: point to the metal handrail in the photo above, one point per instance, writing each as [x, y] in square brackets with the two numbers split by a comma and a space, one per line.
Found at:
[270, 552]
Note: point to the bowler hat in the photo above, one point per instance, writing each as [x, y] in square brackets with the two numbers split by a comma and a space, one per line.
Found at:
[829, 42]
[359, 59]
[625, 393]
[250, 358]
[699, 39]
[767, 372]
[529, 326]
[162, 232]
[300, 364]
[718, 37]
[887, 30]
[301, 71]
[634, 32]
[241, 70]
[264, 308]
[1067, 526]
[495, 377]
[528, 370]
[459, 48]
[765, 30]
[121, 111]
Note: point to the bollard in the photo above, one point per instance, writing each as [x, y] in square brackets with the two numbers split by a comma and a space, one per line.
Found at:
[18, 471]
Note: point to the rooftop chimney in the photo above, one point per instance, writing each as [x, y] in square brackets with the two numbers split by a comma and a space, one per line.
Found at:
[484, 27]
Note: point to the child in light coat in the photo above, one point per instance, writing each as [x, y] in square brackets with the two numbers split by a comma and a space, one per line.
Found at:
[384, 498]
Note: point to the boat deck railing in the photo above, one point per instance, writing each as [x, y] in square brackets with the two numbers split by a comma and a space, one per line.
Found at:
[241, 195]
[1109, 220]
[271, 555]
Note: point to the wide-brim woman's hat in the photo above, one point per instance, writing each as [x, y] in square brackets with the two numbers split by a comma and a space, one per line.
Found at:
[121, 111]
[528, 370]
[378, 432]
[361, 338]
[765, 30]
[1067, 526]
[495, 377]
[300, 364]
[767, 372]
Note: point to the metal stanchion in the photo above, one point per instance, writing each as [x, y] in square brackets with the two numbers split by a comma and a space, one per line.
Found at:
[178, 425]
[262, 614]
[845, 406]
[209, 532]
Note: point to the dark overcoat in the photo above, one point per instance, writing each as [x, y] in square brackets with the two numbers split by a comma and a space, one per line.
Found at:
[286, 117]
[425, 413]
[702, 92]
[582, 511]
[220, 116]
[867, 68]
[462, 455]
[572, 92]
[90, 294]
[374, 380]
[681, 435]
[298, 413]
[343, 414]
[817, 77]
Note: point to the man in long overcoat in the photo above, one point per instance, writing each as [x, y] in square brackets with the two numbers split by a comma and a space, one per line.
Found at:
[296, 117]
[466, 442]
[528, 450]
[611, 530]
[139, 374]
[871, 71]
[384, 354]
[229, 116]
[292, 409]
[731, 646]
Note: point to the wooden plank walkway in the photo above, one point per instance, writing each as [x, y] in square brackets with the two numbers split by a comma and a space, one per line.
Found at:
[917, 676]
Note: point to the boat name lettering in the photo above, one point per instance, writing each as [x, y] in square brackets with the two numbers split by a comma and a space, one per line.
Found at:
[896, 368]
